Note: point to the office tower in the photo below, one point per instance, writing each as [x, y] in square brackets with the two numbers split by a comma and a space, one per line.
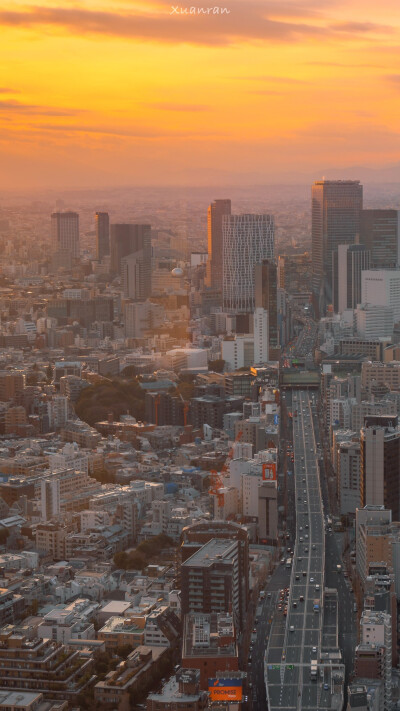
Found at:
[336, 207]
[126, 239]
[247, 240]
[65, 234]
[134, 276]
[380, 463]
[215, 213]
[102, 234]
[261, 336]
[348, 263]
[381, 287]
[380, 233]
[349, 477]
[266, 297]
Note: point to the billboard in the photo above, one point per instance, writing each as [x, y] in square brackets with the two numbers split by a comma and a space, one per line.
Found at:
[225, 689]
[269, 471]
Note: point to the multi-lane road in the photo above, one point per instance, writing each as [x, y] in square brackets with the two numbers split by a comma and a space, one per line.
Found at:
[295, 639]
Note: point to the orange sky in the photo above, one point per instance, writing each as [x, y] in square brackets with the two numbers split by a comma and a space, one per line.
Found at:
[112, 92]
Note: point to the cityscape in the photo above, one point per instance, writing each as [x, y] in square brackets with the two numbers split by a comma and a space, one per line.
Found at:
[199, 355]
[200, 453]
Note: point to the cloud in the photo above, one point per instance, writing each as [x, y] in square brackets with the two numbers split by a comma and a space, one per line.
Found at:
[249, 21]
[7, 90]
[394, 79]
[13, 106]
[167, 106]
[265, 92]
[362, 27]
[345, 65]
[274, 79]
[133, 133]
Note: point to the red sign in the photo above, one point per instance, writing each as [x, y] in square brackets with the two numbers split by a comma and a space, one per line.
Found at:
[269, 471]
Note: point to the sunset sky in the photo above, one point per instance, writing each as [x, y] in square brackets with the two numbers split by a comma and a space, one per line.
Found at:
[102, 93]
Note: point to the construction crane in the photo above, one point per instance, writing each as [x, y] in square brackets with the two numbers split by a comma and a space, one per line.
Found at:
[216, 484]
[185, 410]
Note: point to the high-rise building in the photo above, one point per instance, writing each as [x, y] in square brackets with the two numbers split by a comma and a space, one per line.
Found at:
[50, 505]
[266, 297]
[380, 233]
[210, 579]
[102, 234]
[194, 537]
[261, 336]
[126, 239]
[134, 275]
[380, 463]
[374, 321]
[349, 477]
[348, 263]
[247, 240]
[215, 213]
[336, 207]
[381, 287]
[65, 234]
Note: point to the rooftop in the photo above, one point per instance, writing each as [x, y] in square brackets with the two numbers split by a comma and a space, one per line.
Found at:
[214, 550]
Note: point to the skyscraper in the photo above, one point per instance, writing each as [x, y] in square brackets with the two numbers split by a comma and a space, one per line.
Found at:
[380, 463]
[247, 241]
[336, 207]
[126, 239]
[348, 263]
[380, 233]
[102, 234]
[134, 276]
[65, 233]
[215, 213]
[266, 297]
[261, 337]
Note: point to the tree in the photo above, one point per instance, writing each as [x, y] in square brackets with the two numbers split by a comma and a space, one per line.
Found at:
[32, 379]
[136, 561]
[116, 396]
[121, 559]
[217, 366]
[130, 371]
